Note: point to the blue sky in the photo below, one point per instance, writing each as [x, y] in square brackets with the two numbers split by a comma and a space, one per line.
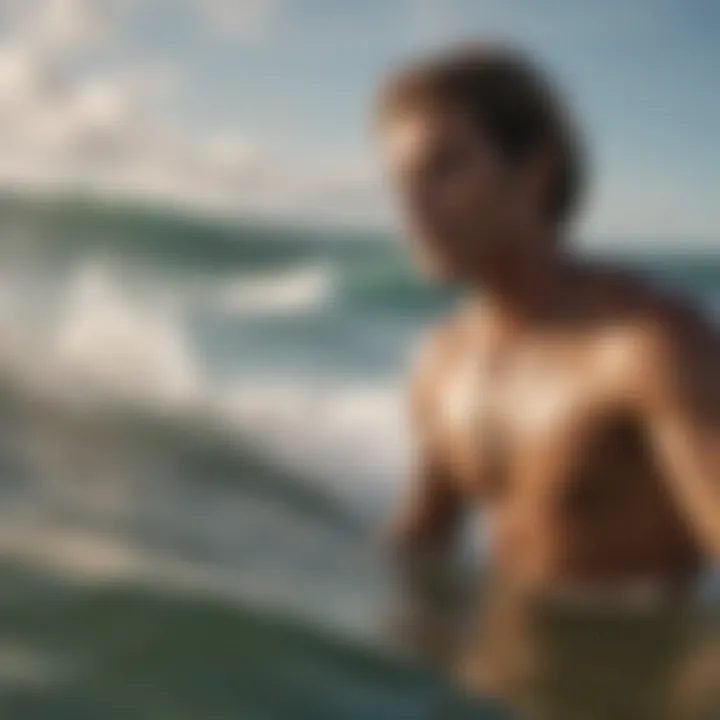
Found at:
[267, 100]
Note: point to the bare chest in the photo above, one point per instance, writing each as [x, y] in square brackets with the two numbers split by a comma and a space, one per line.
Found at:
[526, 420]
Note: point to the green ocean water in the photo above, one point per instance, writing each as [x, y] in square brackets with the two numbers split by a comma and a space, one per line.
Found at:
[82, 651]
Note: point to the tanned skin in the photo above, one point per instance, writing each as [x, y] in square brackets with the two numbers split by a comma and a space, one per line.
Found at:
[577, 406]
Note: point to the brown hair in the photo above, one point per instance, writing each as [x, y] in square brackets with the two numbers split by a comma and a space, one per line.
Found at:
[513, 103]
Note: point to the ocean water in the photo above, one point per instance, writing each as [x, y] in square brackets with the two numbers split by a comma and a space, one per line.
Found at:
[202, 433]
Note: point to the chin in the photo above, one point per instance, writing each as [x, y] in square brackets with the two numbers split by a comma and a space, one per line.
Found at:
[435, 262]
[440, 269]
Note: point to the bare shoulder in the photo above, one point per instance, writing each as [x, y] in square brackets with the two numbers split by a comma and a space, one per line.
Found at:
[661, 337]
[435, 355]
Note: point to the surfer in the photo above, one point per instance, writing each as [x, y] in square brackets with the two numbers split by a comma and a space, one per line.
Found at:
[578, 406]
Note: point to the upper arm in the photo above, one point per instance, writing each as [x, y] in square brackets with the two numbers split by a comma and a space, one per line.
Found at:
[679, 391]
[430, 511]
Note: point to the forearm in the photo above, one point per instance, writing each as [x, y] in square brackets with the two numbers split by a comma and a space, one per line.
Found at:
[428, 587]
[693, 466]
[429, 519]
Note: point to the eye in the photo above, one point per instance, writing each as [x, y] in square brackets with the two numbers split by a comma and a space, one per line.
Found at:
[447, 162]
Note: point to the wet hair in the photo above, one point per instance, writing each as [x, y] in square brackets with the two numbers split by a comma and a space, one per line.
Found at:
[514, 104]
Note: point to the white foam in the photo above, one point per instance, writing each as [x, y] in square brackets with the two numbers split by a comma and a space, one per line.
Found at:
[353, 437]
[297, 290]
[112, 345]
[120, 347]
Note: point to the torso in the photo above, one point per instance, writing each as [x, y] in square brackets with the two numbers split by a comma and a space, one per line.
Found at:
[544, 439]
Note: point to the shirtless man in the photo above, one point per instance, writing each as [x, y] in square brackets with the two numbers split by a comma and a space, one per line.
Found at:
[579, 407]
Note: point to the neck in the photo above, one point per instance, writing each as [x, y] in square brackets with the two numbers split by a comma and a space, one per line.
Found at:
[522, 291]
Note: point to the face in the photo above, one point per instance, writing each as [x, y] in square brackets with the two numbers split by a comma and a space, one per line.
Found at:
[464, 208]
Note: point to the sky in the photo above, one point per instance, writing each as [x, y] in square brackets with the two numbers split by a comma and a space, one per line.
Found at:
[262, 106]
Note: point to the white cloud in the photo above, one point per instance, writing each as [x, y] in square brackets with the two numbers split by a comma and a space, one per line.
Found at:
[102, 134]
[243, 19]
[76, 25]
[66, 27]
[107, 133]
[68, 23]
